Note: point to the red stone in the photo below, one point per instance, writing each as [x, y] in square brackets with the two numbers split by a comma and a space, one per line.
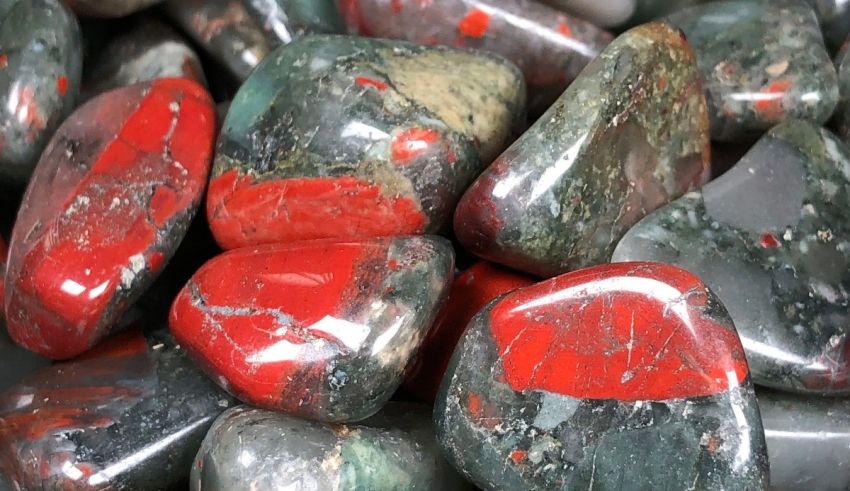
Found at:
[108, 204]
[471, 292]
[625, 331]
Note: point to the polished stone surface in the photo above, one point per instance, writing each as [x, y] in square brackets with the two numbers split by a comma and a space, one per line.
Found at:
[600, 159]
[762, 63]
[287, 20]
[394, 450]
[621, 376]
[342, 137]
[321, 330]
[772, 238]
[108, 204]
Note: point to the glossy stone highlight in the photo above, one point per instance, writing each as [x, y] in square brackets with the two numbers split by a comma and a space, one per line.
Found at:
[321, 330]
[762, 63]
[40, 69]
[772, 238]
[394, 450]
[624, 376]
[287, 20]
[130, 414]
[599, 160]
[338, 137]
[550, 47]
[107, 206]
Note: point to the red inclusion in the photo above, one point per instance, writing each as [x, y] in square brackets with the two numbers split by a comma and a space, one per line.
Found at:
[769, 241]
[397, 6]
[475, 23]
[564, 29]
[371, 82]
[62, 85]
[769, 106]
[412, 143]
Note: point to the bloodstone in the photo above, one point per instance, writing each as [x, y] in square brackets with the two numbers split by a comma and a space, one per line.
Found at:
[128, 415]
[623, 376]
[107, 206]
[808, 441]
[550, 48]
[470, 292]
[224, 29]
[394, 450]
[322, 330]
[749, 90]
[151, 51]
[40, 68]
[772, 238]
[599, 160]
[290, 19]
[337, 137]
[841, 118]
[109, 8]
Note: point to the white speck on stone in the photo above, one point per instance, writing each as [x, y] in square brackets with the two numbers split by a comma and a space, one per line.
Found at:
[80, 201]
[174, 107]
[137, 264]
[788, 235]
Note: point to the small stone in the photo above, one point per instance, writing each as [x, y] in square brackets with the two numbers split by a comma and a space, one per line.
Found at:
[772, 238]
[109, 8]
[598, 161]
[550, 48]
[622, 376]
[342, 137]
[394, 450]
[108, 204]
[762, 62]
[321, 330]
[40, 69]
[471, 292]
[287, 20]
[130, 414]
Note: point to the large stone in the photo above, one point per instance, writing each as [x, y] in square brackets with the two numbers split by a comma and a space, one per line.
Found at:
[321, 330]
[623, 376]
[772, 238]
[394, 450]
[762, 63]
[342, 137]
[628, 136]
[108, 204]
[290, 19]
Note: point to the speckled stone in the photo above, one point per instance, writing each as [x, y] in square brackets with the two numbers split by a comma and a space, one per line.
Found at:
[628, 136]
[623, 376]
[129, 415]
[749, 90]
[40, 69]
[109, 8]
[290, 19]
[394, 450]
[841, 118]
[808, 441]
[772, 238]
[341, 137]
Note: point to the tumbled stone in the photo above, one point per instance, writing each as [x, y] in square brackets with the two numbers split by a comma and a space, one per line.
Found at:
[470, 292]
[290, 19]
[338, 137]
[771, 237]
[130, 414]
[550, 48]
[151, 51]
[322, 330]
[607, 153]
[109, 8]
[762, 63]
[394, 450]
[225, 30]
[108, 204]
[841, 118]
[40, 68]
[623, 376]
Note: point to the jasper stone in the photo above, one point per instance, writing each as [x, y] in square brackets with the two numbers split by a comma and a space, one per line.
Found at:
[40, 69]
[225, 30]
[340, 137]
[291, 19]
[601, 158]
[151, 51]
[470, 292]
[108, 204]
[129, 415]
[841, 118]
[789, 75]
[394, 450]
[550, 47]
[624, 376]
[772, 238]
[808, 441]
[322, 330]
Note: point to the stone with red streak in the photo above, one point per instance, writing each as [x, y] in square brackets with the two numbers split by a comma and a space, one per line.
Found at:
[322, 329]
[108, 205]
[618, 376]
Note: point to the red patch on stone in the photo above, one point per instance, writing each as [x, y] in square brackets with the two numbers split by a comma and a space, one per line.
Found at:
[769, 102]
[371, 82]
[769, 241]
[412, 143]
[475, 23]
[564, 29]
[354, 18]
[62, 85]
[397, 6]
[4, 61]
[627, 331]
[243, 212]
